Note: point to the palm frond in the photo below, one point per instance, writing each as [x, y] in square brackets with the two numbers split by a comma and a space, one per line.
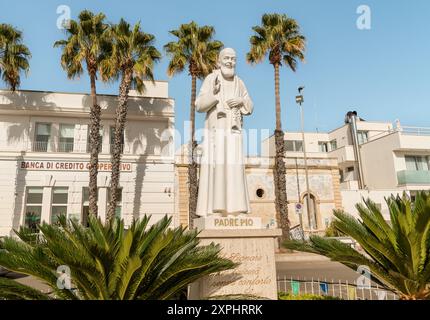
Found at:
[279, 38]
[193, 47]
[14, 56]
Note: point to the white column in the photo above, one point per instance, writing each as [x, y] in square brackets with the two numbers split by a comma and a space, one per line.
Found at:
[46, 205]
[102, 203]
[54, 137]
[77, 145]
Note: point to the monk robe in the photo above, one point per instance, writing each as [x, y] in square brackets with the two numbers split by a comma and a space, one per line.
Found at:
[222, 185]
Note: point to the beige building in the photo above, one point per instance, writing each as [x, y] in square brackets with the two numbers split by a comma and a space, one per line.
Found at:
[44, 157]
[323, 181]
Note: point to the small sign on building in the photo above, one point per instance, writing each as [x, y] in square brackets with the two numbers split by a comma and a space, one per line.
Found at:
[299, 208]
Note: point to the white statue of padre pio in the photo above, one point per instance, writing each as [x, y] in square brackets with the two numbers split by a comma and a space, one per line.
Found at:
[223, 96]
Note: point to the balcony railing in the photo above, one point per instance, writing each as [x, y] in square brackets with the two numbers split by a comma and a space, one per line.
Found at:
[65, 146]
[40, 146]
[413, 177]
[78, 147]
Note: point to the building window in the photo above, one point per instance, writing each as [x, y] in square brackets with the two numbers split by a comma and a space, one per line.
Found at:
[112, 139]
[59, 203]
[363, 137]
[67, 137]
[293, 145]
[33, 207]
[333, 145]
[100, 139]
[342, 178]
[43, 136]
[118, 201]
[323, 146]
[417, 163]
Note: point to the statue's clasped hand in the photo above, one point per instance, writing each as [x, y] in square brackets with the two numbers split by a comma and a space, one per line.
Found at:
[235, 102]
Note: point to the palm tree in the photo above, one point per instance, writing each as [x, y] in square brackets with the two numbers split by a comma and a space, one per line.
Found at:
[278, 37]
[196, 49]
[132, 58]
[107, 262]
[87, 43]
[397, 253]
[13, 56]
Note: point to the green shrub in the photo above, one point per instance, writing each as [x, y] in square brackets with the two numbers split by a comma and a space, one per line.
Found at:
[237, 297]
[289, 296]
[333, 232]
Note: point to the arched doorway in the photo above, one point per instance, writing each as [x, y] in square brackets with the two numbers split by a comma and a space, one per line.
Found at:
[313, 210]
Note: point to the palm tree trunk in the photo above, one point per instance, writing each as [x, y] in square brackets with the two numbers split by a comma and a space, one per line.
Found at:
[192, 166]
[95, 113]
[121, 116]
[279, 169]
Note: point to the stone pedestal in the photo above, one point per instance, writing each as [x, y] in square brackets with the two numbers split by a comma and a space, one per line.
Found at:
[254, 249]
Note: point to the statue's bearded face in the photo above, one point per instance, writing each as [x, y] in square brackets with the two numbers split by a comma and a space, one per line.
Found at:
[227, 63]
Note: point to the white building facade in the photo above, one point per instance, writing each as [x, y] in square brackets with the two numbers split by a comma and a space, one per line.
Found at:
[44, 157]
[388, 160]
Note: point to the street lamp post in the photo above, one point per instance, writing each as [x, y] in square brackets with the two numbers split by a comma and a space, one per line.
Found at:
[300, 100]
[299, 211]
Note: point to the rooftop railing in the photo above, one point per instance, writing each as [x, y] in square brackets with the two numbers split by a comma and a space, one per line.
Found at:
[419, 131]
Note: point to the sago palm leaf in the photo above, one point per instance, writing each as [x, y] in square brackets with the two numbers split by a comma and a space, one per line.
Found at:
[12, 290]
[108, 262]
[397, 252]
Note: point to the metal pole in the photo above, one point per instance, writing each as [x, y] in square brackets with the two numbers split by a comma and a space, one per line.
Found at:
[298, 194]
[312, 287]
[310, 218]
[356, 145]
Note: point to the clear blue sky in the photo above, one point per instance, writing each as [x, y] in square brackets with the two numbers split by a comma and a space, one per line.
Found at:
[383, 73]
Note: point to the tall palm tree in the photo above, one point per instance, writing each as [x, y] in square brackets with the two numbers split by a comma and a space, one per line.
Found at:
[279, 37]
[107, 262]
[132, 58]
[195, 48]
[88, 44]
[397, 252]
[14, 56]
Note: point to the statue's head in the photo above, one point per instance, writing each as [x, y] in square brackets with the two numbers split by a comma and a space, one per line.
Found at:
[227, 62]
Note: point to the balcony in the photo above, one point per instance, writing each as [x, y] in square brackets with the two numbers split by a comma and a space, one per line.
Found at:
[344, 154]
[413, 177]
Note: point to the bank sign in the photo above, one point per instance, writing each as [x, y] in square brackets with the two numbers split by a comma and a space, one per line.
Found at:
[69, 166]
